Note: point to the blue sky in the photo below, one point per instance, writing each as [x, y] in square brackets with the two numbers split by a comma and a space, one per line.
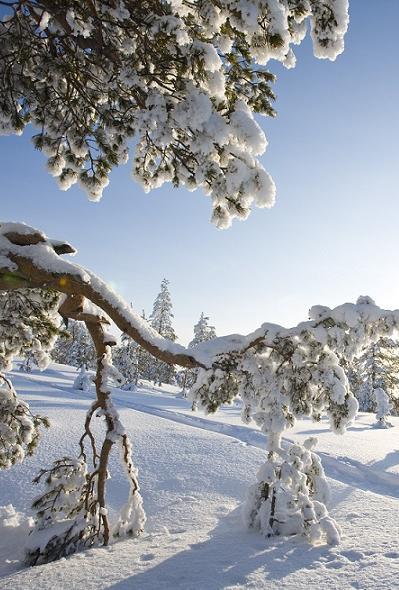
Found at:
[332, 235]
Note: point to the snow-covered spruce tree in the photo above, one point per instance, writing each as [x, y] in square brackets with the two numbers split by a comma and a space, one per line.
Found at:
[75, 347]
[377, 368]
[183, 78]
[203, 332]
[126, 358]
[161, 320]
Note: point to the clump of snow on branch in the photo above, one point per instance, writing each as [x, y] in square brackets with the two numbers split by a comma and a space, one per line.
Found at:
[187, 93]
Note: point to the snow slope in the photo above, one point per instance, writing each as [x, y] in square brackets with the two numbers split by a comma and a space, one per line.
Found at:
[194, 472]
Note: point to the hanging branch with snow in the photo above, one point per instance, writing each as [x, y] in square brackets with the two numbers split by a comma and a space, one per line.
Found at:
[182, 78]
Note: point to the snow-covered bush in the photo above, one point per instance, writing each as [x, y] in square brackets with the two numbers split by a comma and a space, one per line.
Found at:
[291, 496]
[84, 380]
[66, 518]
[383, 408]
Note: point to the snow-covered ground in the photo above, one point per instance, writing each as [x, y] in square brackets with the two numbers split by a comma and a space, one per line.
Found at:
[194, 472]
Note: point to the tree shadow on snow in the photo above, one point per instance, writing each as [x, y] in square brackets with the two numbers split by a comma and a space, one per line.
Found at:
[230, 556]
[389, 460]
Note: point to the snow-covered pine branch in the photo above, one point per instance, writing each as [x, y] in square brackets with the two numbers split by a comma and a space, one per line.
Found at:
[19, 428]
[183, 78]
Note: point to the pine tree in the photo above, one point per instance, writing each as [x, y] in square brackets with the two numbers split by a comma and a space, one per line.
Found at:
[29, 324]
[125, 357]
[161, 320]
[202, 333]
[377, 368]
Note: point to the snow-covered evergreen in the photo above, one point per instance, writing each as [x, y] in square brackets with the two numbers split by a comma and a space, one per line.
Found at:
[383, 408]
[286, 375]
[19, 428]
[376, 368]
[84, 380]
[203, 332]
[75, 347]
[161, 320]
[29, 325]
[125, 359]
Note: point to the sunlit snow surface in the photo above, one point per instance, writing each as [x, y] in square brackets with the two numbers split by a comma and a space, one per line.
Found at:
[194, 471]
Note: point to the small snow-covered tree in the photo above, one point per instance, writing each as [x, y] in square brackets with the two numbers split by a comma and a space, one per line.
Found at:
[287, 374]
[161, 320]
[126, 358]
[377, 368]
[71, 513]
[83, 381]
[203, 332]
[383, 408]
